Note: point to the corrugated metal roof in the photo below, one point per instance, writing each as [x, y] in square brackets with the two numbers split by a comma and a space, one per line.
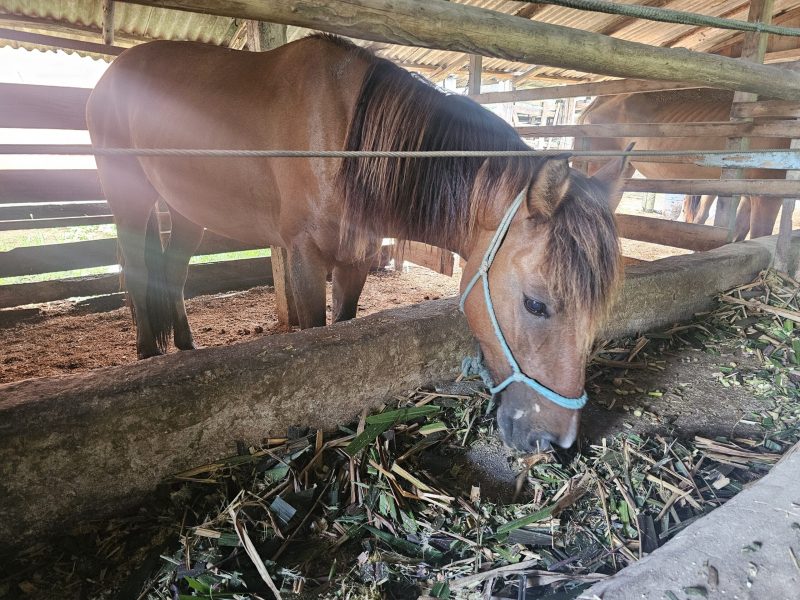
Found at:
[82, 19]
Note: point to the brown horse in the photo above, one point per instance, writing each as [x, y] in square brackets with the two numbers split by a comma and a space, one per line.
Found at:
[686, 106]
[557, 266]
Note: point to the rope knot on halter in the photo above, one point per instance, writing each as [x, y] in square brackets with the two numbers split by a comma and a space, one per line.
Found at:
[474, 365]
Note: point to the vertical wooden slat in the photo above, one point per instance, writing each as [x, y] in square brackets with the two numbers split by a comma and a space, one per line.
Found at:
[783, 246]
[260, 38]
[753, 50]
[475, 65]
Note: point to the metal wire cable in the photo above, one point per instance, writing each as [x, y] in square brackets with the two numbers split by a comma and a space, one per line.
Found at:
[666, 15]
[85, 150]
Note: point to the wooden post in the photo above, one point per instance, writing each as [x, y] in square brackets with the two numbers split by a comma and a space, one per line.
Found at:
[462, 28]
[753, 50]
[783, 245]
[260, 38]
[108, 22]
[474, 84]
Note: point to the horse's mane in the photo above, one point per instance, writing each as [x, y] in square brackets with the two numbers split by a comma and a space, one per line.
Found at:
[433, 198]
[424, 198]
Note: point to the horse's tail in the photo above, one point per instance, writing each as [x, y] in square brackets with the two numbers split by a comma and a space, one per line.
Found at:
[159, 307]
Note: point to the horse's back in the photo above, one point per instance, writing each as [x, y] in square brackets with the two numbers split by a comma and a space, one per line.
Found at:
[188, 95]
[672, 107]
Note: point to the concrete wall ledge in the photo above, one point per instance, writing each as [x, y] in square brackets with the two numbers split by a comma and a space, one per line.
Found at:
[97, 443]
[759, 527]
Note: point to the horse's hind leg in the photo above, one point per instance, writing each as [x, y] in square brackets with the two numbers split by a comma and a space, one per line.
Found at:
[706, 202]
[348, 281]
[132, 199]
[763, 214]
[184, 238]
[308, 270]
[742, 225]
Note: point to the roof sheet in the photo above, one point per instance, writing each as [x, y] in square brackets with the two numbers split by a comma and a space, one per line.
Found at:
[82, 19]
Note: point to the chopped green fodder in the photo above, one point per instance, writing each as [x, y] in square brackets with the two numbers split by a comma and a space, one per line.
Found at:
[376, 510]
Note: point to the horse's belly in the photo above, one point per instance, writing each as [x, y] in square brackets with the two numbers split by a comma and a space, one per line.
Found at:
[224, 200]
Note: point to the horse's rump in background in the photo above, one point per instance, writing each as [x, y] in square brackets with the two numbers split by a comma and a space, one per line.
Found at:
[685, 106]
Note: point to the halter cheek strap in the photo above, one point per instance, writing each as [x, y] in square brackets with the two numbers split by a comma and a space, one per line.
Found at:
[476, 364]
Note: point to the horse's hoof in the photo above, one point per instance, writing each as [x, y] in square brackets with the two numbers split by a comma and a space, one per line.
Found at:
[189, 346]
[148, 354]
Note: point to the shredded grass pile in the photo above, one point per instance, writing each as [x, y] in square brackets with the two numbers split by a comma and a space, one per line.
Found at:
[384, 509]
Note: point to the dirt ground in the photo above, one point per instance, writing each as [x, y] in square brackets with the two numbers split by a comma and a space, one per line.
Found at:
[66, 340]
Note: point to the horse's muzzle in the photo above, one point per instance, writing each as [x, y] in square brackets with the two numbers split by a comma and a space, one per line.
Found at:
[530, 423]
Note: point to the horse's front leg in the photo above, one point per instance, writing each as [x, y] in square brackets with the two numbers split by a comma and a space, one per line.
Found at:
[348, 281]
[308, 270]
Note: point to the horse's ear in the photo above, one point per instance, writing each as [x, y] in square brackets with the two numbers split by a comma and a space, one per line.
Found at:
[611, 177]
[549, 188]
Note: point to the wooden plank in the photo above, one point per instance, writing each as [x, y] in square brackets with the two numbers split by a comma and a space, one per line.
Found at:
[42, 106]
[430, 257]
[206, 278]
[34, 260]
[775, 129]
[462, 28]
[698, 187]
[601, 88]
[677, 234]
[59, 42]
[53, 211]
[57, 185]
[285, 305]
[25, 224]
[766, 108]
[762, 159]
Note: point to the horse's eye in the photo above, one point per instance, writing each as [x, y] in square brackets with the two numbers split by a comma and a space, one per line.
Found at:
[535, 307]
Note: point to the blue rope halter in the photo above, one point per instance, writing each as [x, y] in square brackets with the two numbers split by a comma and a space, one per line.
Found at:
[475, 364]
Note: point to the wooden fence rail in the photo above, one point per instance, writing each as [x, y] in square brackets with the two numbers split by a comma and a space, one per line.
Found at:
[56, 185]
[42, 106]
[204, 278]
[775, 129]
[52, 258]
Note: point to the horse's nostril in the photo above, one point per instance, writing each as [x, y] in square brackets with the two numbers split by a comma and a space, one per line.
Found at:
[540, 441]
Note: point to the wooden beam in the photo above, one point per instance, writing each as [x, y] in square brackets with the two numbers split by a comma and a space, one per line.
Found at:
[777, 188]
[766, 108]
[52, 258]
[108, 22]
[70, 29]
[475, 65]
[205, 278]
[42, 106]
[753, 50]
[59, 42]
[677, 234]
[461, 28]
[602, 88]
[430, 257]
[26, 224]
[56, 185]
[773, 129]
[54, 211]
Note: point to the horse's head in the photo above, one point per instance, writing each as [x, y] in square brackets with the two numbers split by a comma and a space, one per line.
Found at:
[549, 279]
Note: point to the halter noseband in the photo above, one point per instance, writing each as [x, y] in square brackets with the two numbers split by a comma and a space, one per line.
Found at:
[517, 376]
